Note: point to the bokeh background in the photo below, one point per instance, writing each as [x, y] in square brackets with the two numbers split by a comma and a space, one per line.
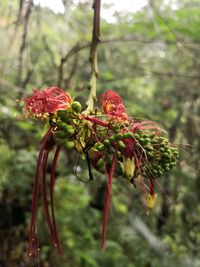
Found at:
[151, 57]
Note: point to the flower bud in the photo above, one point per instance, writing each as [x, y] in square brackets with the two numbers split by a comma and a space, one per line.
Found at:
[129, 167]
[76, 106]
[151, 200]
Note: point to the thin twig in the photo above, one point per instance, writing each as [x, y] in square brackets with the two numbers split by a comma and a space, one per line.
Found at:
[77, 48]
[23, 43]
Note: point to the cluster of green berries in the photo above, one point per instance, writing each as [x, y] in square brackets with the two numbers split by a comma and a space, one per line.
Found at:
[161, 155]
[157, 154]
[140, 152]
[65, 122]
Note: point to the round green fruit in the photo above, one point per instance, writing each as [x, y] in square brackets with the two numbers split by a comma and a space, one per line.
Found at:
[76, 106]
[69, 145]
[128, 135]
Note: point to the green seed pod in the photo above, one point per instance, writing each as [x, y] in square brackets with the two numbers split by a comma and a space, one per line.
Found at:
[176, 153]
[148, 147]
[150, 154]
[119, 154]
[69, 130]
[60, 134]
[69, 145]
[166, 155]
[100, 164]
[142, 140]
[168, 150]
[76, 106]
[147, 140]
[118, 136]
[116, 128]
[136, 136]
[162, 149]
[160, 173]
[106, 142]
[154, 141]
[121, 144]
[64, 115]
[155, 171]
[158, 167]
[152, 135]
[112, 139]
[101, 147]
[61, 125]
[119, 169]
[128, 135]
[163, 138]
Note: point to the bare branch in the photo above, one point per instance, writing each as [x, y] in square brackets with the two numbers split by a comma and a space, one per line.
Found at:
[51, 53]
[76, 49]
[23, 44]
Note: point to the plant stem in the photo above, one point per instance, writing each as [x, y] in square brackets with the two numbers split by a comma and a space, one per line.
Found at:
[92, 86]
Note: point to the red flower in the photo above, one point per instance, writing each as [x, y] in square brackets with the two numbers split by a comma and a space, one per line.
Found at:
[112, 104]
[49, 100]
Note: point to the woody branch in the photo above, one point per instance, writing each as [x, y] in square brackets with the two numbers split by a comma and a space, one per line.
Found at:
[92, 86]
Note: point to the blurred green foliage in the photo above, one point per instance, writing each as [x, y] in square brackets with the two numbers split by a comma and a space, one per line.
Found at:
[151, 58]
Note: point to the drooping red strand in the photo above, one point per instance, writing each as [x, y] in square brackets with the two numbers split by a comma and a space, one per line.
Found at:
[33, 239]
[44, 194]
[107, 201]
[52, 182]
[151, 187]
[138, 163]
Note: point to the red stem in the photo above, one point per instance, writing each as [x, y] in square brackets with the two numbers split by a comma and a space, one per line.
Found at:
[33, 240]
[52, 183]
[95, 120]
[152, 185]
[45, 201]
[107, 201]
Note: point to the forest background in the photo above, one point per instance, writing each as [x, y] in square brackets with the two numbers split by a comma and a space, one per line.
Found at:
[152, 59]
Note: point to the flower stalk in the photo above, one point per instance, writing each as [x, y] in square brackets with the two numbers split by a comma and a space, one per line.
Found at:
[93, 58]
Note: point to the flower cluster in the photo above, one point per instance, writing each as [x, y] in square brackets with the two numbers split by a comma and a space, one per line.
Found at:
[113, 144]
[42, 103]
[111, 104]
